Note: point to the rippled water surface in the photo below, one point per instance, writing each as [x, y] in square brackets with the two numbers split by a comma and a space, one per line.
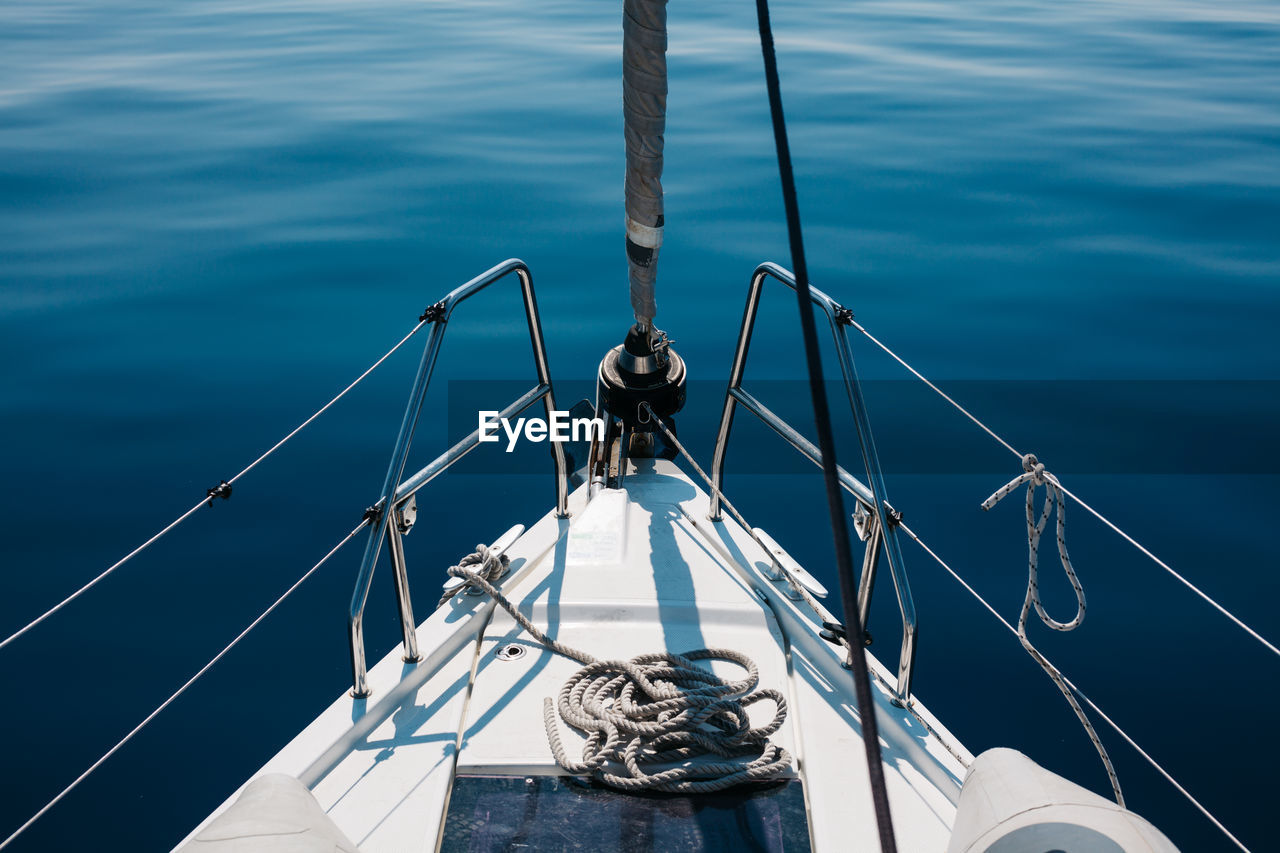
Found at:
[215, 214]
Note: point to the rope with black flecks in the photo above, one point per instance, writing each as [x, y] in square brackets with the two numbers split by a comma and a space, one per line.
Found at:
[643, 714]
[491, 567]
[1034, 475]
[1143, 549]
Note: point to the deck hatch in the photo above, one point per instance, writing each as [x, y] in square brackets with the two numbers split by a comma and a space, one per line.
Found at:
[488, 814]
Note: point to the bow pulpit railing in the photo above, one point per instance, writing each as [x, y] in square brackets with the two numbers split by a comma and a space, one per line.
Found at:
[876, 520]
[394, 512]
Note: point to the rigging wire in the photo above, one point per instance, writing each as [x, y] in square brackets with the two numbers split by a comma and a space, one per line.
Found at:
[224, 490]
[649, 413]
[1162, 564]
[1043, 661]
[1051, 669]
[826, 441]
[1095, 513]
[938, 390]
[796, 586]
[173, 697]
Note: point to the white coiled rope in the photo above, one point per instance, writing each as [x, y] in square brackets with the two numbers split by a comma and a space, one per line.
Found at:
[642, 714]
[1034, 475]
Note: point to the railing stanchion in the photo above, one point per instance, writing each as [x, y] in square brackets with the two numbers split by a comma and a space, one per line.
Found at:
[735, 382]
[408, 625]
[544, 378]
[888, 526]
[870, 562]
[395, 492]
[378, 527]
[873, 497]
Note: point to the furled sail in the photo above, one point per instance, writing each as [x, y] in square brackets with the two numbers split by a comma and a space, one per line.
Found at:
[644, 109]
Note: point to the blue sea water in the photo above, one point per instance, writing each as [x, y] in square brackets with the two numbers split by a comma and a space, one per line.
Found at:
[214, 214]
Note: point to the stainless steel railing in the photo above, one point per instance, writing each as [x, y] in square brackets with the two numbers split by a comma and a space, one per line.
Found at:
[388, 513]
[879, 529]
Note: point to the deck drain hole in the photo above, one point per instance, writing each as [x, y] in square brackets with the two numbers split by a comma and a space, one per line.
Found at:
[511, 651]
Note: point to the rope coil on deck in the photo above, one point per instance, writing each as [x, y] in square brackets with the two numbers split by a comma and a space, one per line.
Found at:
[641, 715]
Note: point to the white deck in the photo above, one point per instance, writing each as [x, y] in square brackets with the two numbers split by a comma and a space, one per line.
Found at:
[636, 571]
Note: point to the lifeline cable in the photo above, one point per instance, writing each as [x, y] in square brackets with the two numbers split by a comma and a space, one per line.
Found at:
[1051, 670]
[826, 617]
[650, 415]
[174, 696]
[222, 490]
[826, 442]
[1240, 623]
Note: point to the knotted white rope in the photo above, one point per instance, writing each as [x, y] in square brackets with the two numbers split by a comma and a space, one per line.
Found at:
[1146, 552]
[1133, 743]
[1034, 475]
[642, 714]
[492, 567]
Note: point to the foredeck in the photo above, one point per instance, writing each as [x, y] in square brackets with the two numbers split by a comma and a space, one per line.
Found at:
[636, 570]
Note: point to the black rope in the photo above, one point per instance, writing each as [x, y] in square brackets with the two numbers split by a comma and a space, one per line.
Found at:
[826, 442]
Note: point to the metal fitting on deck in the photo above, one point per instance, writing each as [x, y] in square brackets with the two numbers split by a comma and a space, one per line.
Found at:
[643, 369]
